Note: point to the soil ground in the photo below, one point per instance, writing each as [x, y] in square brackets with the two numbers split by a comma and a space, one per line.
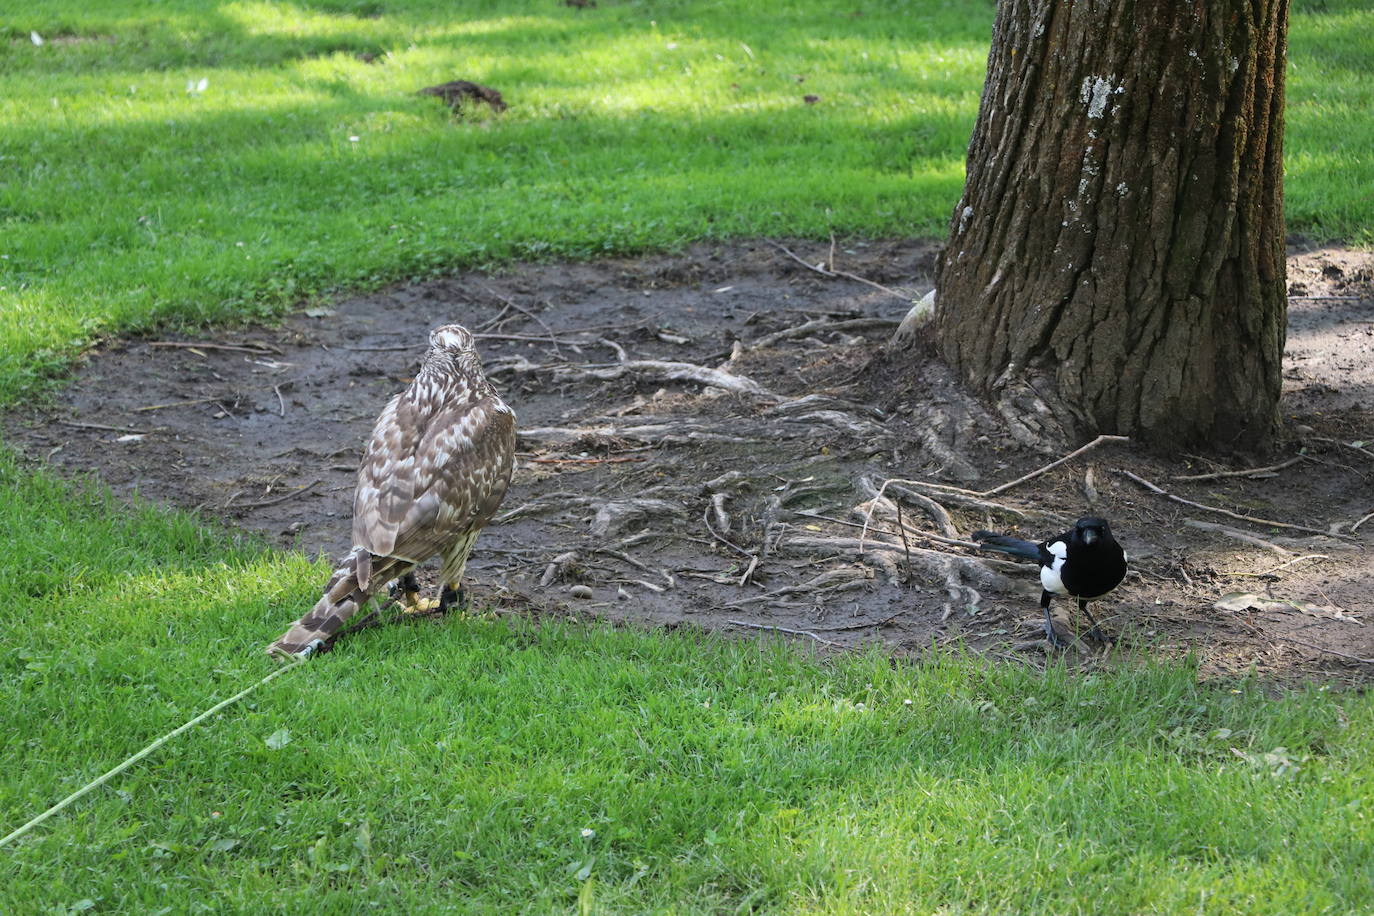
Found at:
[675, 502]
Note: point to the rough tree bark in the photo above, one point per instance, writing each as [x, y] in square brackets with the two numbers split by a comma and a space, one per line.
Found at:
[1116, 263]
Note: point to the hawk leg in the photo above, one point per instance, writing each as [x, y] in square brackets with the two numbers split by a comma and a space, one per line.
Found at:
[406, 591]
[451, 596]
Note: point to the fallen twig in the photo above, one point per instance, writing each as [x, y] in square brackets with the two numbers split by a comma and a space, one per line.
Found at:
[817, 325]
[1356, 448]
[530, 315]
[281, 402]
[768, 626]
[1053, 464]
[279, 499]
[394, 347]
[689, 372]
[1216, 475]
[613, 460]
[706, 518]
[1355, 527]
[748, 572]
[1238, 535]
[938, 513]
[176, 404]
[103, 428]
[862, 626]
[1226, 512]
[839, 273]
[1270, 572]
[980, 496]
[1312, 645]
[259, 349]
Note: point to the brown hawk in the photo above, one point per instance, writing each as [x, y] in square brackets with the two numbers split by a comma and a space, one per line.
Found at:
[436, 468]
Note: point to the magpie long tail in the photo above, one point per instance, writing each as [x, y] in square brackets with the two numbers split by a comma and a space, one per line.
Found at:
[1002, 543]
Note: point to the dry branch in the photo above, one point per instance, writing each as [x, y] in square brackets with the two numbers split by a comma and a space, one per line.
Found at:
[839, 273]
[1238, 535]
[1217, 475]
[259, 349]
[1226, 512]
[675, 371]
[816, 326]
[280, 499]
[768, 626]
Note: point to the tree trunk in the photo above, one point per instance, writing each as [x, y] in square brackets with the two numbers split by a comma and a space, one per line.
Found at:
[1118, 254]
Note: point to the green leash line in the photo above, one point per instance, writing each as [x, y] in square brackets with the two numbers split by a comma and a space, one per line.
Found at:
[106, 777]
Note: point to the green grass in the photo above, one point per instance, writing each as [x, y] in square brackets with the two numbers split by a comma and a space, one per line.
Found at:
[126, 199]
[457, 765]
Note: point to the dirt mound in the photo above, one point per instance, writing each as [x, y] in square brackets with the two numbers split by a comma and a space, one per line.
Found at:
[703, 435]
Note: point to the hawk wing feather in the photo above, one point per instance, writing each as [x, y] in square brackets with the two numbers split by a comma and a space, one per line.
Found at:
[423, 484]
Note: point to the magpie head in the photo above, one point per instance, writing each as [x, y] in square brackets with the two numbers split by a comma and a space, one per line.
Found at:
[1090, 530]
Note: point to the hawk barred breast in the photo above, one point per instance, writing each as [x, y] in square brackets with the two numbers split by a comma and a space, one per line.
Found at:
[436, 468]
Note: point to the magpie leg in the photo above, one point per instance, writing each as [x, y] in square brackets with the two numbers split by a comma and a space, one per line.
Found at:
[1096, 631]
[1054, 638]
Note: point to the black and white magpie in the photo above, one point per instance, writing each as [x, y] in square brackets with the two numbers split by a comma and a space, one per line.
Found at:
[1084, 563]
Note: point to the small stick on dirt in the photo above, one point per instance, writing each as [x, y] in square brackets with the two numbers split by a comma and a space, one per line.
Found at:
[687, 372]
[1312, 645]
[916, 531]
[1216, 475]
[906, 545]
[1330, 298]
[220, 405]
[1363, 451]
[259, 349]
[280, 499]
[706, 518]
[176, 404]
[938, 513]
[1054, 464]
[389, 349]
[617, 460]
[862, 626]
[722, 517]
[748, 573]
[1238, 535]
[281, 402]
[816, 325]
[1226, 512]
[109, 429]
[766, 626]
[981, 495]
[1355, 527]
[488, 325]
[1270, 572]
[840, 273]
[619, 350]
[530, 315]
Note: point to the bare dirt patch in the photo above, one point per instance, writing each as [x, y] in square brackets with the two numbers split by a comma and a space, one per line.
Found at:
[676, 501]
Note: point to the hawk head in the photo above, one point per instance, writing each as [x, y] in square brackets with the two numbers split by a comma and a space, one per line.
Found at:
[452, 337]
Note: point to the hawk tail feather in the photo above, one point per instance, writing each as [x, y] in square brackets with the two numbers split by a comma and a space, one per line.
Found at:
[349, 588]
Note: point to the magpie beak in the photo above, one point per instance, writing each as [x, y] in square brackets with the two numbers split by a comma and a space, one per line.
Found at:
[1084, 563]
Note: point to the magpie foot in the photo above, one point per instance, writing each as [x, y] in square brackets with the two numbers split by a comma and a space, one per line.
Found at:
[1097, 634]
[1055, 640]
